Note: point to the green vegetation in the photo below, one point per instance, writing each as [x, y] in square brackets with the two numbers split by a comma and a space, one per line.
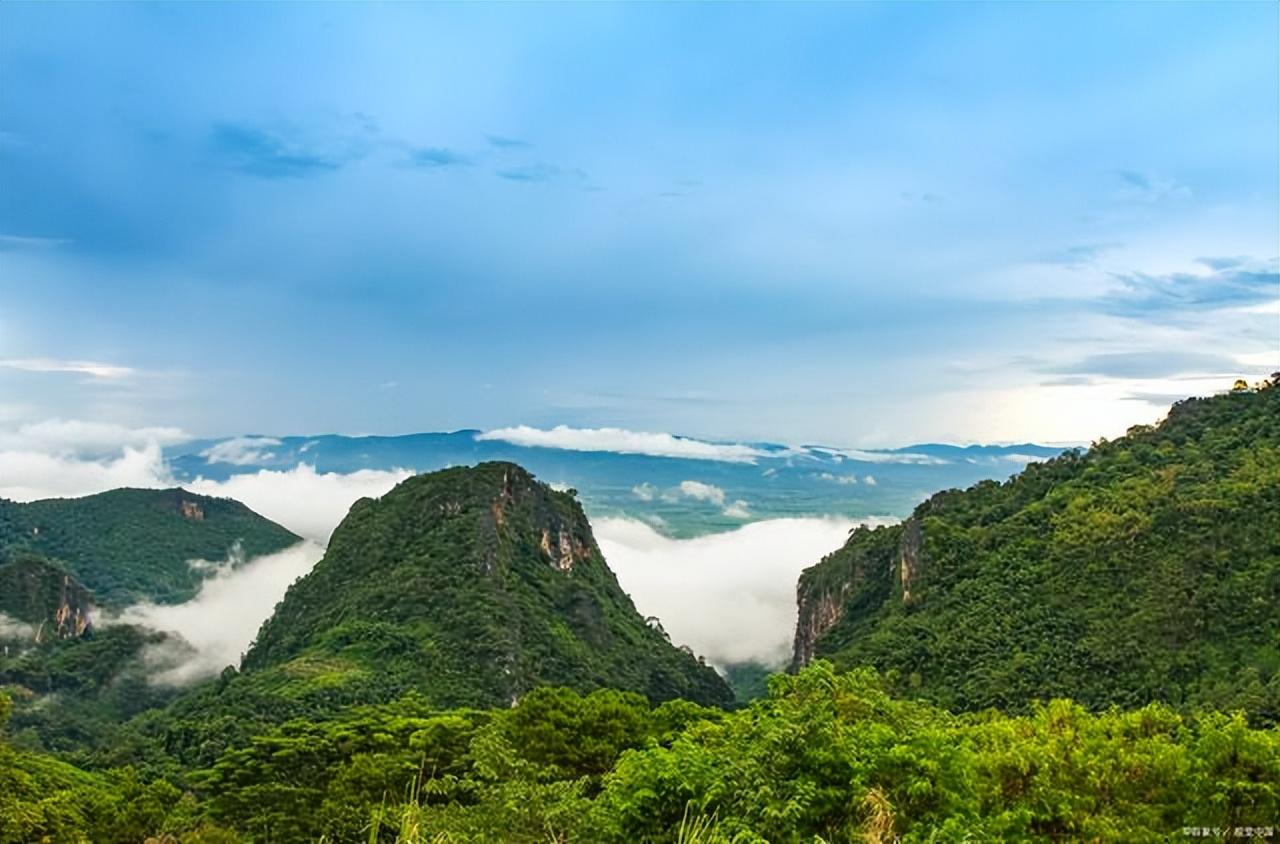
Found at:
[472, 585]
[1146, 569]
[825, 756]
[128, 545]
[462, 668]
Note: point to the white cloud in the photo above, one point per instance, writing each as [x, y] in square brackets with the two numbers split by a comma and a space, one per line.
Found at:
[92, 368]
[738, 510]
[892, 457]
[729, 596]
[307, 502]
[699, 491]
[843, 480]
[11, 629]
[240, 451]
[73, 436]
[30, 475]
[1022, 459]
[624, 442]
[869, 480]
[222, 619]
[645, 491]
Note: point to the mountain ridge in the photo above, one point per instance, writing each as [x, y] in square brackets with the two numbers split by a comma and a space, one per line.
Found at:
[130, 544]
[1141, 569]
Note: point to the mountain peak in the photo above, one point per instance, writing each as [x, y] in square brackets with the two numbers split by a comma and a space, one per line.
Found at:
[475, 584]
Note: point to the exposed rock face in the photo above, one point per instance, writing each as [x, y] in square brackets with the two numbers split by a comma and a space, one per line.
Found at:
[38, 592]
[851, 582]
[910, 561]
[191, 510]
[818, 614]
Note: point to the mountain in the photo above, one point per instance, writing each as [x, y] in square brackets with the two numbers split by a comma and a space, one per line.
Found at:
[134, 544]
[473, 585]
[769, 480]
[1147, 568]
[68, 678]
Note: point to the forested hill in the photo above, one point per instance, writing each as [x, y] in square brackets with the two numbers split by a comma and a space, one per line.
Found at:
[473, 585]
[134, 544]
[1147, 568]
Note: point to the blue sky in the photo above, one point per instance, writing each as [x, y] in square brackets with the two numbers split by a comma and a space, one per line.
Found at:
[858, 224]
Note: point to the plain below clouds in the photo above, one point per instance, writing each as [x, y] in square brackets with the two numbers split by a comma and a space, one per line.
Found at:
[731, 597]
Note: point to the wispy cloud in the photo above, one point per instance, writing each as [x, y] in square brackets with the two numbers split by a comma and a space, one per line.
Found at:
[623, 441]
[1080, 255]
[1136, 186]
[1146, 364]
[13, 242]
[240, 451]
[890, 457]
[438, 158]
[543, 173]
[93, 368]
[260, 152]
[1229, 282]
[503, 142]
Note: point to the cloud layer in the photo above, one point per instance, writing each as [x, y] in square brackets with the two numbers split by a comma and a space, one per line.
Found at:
[222, 620]
[622, 441]
[307, 502]
[729, 596]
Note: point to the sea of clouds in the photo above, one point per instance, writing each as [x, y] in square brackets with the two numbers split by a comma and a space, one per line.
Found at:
[729, 596]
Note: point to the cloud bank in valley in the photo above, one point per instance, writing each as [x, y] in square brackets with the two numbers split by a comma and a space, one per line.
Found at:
[223, 618]
[729, 596]
[29, 474]
[307, 502]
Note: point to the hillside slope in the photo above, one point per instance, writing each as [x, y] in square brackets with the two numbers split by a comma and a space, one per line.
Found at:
[475, 585]
[127, 545]
[1147, 568]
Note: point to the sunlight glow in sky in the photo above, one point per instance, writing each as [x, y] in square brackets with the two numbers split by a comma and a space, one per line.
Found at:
[854, 224]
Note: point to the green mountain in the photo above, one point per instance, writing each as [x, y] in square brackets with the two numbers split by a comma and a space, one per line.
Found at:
[133, 544]
[1147, 568]
[474, 585]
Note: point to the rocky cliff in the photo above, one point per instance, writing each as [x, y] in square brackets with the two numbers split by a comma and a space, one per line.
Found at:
[47, 601]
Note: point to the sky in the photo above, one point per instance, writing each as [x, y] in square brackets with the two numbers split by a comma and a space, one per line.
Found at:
[854, 224]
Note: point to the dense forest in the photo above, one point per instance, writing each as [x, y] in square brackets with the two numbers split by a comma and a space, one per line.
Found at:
[128, 545]
[1145, 569]
[1085, 653]
[826, 756]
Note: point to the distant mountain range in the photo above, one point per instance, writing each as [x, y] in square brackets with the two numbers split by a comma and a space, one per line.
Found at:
[722, 487]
